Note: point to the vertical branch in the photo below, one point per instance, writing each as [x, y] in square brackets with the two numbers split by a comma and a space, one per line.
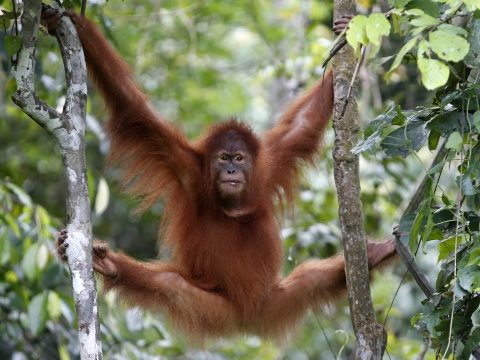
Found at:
[371, 336]
[68, 128]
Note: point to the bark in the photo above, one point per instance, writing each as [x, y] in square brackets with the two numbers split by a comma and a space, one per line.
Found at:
[371, 336]
[68, 129]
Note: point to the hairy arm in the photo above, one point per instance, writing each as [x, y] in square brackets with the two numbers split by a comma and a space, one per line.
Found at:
[297, 136]
[155, 155]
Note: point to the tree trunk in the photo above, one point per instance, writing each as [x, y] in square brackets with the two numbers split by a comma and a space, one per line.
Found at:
[371, 336]
[68, 128]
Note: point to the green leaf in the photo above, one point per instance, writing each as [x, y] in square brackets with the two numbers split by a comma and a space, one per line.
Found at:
[356, 32]
[5, 247]
[424, 21]
[429, 7]
[29, 262]
[401, 54]
[445, 199]
[42, 256]
[455, 141]
[423, 48]
[457, 30]
[12, 224]
[474, 257]
[367, 144]
[399, 3]
[54, 305]
[428, 228]
[472, 5]
[37, 313]
[448, 46]
[434, 73]
[433, 139]
[447, 246]
[412, 241]
[399, 118]
[12, 44]
[452, 8]
[469, 277]
[473, 57]
[471, 343]
[377, 26]
[450, 122]
[405, 139]
[20, 194]
[437, 168]
[414, 12]
[476, 119]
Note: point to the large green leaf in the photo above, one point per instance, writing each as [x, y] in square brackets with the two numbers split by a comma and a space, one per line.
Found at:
[377, 26]
[356, 33]
[434, 72]
[405, 139]
[448, 46]
[472, 5]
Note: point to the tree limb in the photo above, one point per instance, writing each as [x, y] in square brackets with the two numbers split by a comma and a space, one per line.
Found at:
[68, 128]
[371, 336]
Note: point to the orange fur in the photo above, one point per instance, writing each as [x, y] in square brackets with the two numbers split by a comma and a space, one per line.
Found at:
[224, 274]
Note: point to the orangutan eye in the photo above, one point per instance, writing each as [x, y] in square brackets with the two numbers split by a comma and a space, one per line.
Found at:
[239, 158]
[223, 158]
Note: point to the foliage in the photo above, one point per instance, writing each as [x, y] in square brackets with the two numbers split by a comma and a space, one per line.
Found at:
[447, 215]
[32, 302]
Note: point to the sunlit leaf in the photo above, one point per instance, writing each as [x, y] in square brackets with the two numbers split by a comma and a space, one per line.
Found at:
[448, 46]
[434, 73]
[377, 26]
[102, 198]
[424, 20]
[54, 305]
[356, 33]
[472, 5]
[42, 256]
[452, 29]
